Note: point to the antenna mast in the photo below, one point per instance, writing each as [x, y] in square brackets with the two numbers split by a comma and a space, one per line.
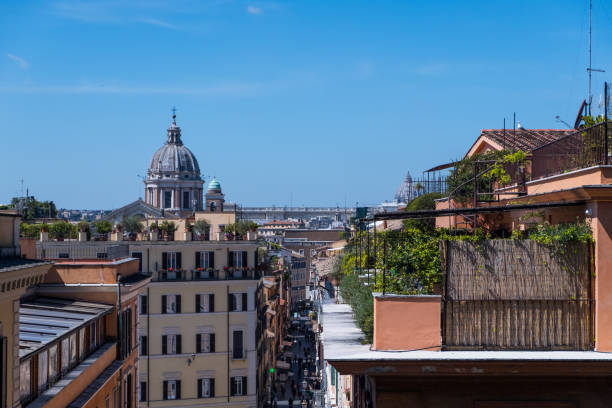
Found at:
[590, 69]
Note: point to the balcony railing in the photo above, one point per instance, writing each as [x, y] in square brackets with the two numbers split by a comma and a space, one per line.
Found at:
[581, 149]
[202, 274]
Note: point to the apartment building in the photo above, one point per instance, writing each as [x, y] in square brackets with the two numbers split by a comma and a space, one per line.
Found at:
[197, 318]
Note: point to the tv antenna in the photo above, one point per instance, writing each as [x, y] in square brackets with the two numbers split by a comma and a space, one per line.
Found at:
[590, 69]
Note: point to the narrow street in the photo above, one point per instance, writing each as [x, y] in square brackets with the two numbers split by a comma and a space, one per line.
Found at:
[302, 380]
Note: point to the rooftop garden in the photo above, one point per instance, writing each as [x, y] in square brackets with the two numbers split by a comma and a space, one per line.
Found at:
[409, 261]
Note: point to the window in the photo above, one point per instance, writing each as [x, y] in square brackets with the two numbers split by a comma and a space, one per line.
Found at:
[116, 397]
[82, 350]
[206, 388]
[92, 337]
[171, 303]
[237, 345]
[301, 252]
[25, 381]
[171, 344]
[102, 255]
[53, 362]
[238, 302]
[63, 255]
[73, 348]
[144, 349]
[107, 402]
[43, 369]
[172, 389]
[205, 259]
[143, 391]
[186, 199]
[143, 304]
[205, 342]
[171, 262]
[167, 199]
[205, 303]
[238, 259]
[238, 385]
[65, 356]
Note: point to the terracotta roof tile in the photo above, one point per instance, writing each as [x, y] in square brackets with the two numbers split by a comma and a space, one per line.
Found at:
[524, 139]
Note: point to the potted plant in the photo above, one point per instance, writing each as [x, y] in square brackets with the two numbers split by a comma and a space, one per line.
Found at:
[84, 233]
[132, 226]
[102, 228]
[153, 231]
[202, 229]
[168, 228]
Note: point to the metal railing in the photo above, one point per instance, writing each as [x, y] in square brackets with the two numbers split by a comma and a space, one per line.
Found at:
[581, 149]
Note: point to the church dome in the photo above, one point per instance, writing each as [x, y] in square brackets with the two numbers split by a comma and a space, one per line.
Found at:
[405, 192]
[173, 158]
[214, 185]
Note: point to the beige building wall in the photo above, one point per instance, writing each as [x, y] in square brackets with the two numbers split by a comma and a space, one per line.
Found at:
[189, 365]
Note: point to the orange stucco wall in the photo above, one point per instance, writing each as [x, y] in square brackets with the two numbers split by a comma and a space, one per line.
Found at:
[90, 272]
[406, 322]
[602, 230]
[79, 384]
[28, 247]
[578, 178]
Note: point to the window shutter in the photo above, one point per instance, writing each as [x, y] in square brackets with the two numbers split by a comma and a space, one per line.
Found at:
[197, 260]
[164, 345]
[212, 342]
[179, 264]
[199, 386]
[211, 303]
[163, 304]
[245, 259]
[244, 301]
[244, 385]
[230, 302]
[198, 343]
[178, 303]
[230, 258]
[178, 344]
[178, 388]
[233, 385]
[211, 259]
[212, 387]
[198, 304]
[164, 260]
[165, 386]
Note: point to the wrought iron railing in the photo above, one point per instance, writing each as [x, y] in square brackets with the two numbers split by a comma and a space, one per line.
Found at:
[581, 149]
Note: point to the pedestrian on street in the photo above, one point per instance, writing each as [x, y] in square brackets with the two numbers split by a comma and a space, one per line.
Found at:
[290, 402]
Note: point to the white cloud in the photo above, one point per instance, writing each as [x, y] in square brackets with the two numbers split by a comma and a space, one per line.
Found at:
[156, 22]
[218, 89]
[253, 10]
[435, 69]
[18, 60]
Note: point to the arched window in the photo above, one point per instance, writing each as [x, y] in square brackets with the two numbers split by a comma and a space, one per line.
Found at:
[213, 206]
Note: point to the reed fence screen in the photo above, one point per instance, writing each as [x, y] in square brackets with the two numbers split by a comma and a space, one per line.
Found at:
[517, 295]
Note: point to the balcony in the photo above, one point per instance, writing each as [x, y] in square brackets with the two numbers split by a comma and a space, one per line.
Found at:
[203, 274]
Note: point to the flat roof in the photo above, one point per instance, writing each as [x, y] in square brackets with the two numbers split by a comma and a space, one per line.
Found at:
[342, 342]
[15, 263]
[43, 320]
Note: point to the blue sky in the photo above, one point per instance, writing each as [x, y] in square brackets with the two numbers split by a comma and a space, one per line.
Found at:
[303, 102]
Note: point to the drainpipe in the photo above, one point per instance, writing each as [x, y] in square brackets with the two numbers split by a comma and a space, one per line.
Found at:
[148, 348]
[228, 345]
[119, 322]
